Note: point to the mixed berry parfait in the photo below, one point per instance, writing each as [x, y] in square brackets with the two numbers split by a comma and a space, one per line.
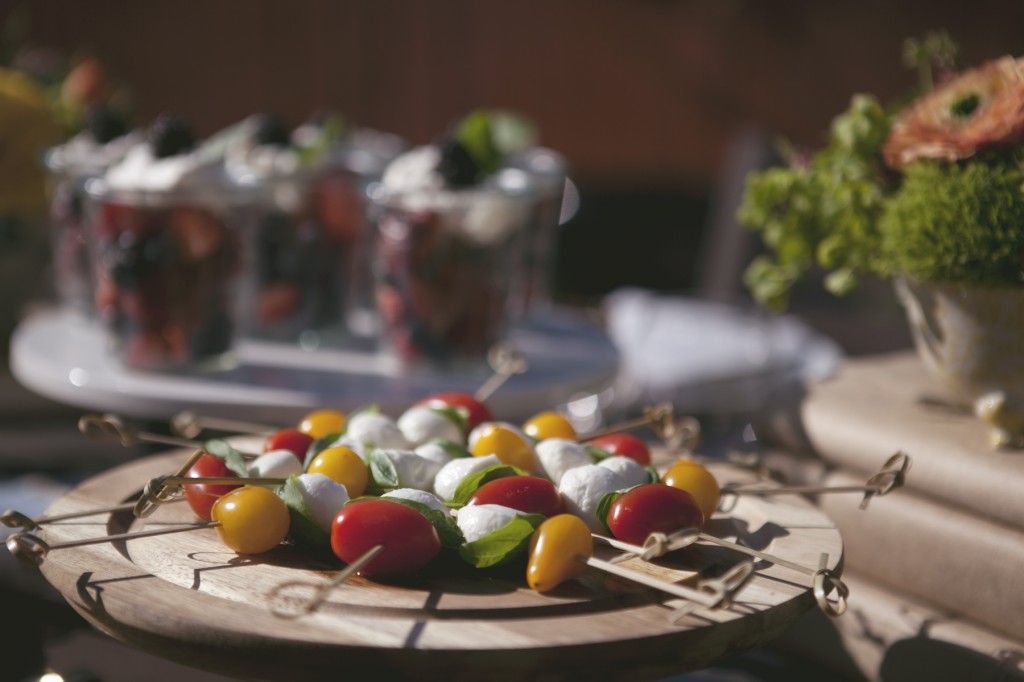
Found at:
[104, 141]
[450, 224]
[309, 227]
[167, 253]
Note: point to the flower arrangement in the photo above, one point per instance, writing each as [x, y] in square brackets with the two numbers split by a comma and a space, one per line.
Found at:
[932, 190]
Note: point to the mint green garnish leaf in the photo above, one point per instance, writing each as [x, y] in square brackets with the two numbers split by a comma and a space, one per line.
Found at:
[512, 132]
[457, 415]
[303, 531]
[474, 132]
[605, 506]
[231, 457]
[447, 530]
[503, 545]
[653, 474]
[597, 454]
[318, 446]
[382, 470]
[473, 482]
[332, 130]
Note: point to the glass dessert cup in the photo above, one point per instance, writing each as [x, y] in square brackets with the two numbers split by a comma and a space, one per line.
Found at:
[167, 267]
[535, 289]
[308, 240]
[444, 266]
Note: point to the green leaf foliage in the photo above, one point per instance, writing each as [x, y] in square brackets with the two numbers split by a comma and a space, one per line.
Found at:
[447, 530]
[822, 211]
[382, 470]
[605, 506]
[318, 446]
[303, 531]
[231, 457]
[961, 223]
[503, 545]
[473, 482]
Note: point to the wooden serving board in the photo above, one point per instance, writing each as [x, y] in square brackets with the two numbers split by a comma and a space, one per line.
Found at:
[188, 598]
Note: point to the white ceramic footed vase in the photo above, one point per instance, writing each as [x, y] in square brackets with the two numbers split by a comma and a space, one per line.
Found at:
[971, 339]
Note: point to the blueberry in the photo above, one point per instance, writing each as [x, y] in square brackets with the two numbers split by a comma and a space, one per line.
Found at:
[169, 136]
[271, 132]
[457, 166]
[130, 258]
[104, 125]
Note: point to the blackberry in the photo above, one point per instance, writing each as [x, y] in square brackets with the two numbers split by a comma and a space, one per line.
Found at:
[104, 125]
[270, 131]
[457, 166]
[169, 136]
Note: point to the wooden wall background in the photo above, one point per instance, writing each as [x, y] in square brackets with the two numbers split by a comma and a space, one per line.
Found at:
[642, 96]
[634, 92]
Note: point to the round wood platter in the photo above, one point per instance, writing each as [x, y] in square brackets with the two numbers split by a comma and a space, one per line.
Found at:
[188, 598]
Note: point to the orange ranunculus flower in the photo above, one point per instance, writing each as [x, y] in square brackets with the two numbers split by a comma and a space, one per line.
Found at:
[980, 109]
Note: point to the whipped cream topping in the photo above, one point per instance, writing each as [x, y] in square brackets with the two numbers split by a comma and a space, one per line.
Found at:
[83, 155]
[484, 214]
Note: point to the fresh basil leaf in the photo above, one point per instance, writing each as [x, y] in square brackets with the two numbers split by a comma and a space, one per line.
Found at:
[597, 454]
[653, 474]
[503, 545]
[318, 446]
[232, 458]
[303, 531]
[473, 482]
[457, 415]
[447, 530]
[382, 470]
[605, 506]
[451, 448]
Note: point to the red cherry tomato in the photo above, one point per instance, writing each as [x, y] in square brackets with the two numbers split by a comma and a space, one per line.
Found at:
[410, 541]
[625, 445]
[477, 413]
[201, 496]
[653, 508]
[289, 439]
[528, 494]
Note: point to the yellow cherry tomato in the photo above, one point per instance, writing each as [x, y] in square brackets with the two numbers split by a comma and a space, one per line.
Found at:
[549, 425]
[509, 446]
[252, 520]
[554, 549]
[696, 480]
[343, 465]
[322, 422]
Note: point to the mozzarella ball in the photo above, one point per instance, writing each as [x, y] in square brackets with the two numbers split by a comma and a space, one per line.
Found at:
[631, 471]
[420, 424]
[478, 520]
[583, 487]
[352, 444]
[324, 498]
[558, 455]
[447, 480]
[421, 496]
[413, 471]
[440, 451]
[275, 464]
[376, 430]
